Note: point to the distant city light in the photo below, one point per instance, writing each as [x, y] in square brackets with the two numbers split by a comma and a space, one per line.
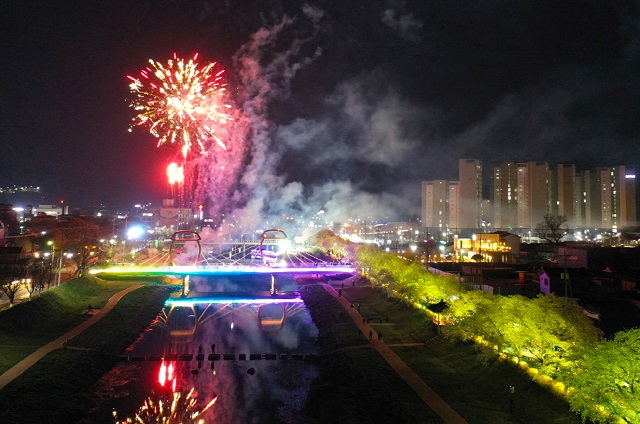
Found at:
[135, 232]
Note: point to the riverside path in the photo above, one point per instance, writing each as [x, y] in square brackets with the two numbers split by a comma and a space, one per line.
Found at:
[426, 393]
[15, 371]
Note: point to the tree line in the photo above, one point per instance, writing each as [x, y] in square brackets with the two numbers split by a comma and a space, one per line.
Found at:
[72, 243]
[549, 336]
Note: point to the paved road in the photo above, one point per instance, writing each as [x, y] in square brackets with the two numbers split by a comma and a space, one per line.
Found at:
[58, 343]
[426, 393]
[23, 294]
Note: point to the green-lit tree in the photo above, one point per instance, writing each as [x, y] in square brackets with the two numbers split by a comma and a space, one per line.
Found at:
[561, 327]
[544, 330]
[604, 379]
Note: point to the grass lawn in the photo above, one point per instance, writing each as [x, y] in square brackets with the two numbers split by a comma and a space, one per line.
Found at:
[355, 385]
[477, 389]
[29, 325]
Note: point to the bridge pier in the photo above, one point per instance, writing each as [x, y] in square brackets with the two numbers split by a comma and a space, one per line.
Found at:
[185, 285]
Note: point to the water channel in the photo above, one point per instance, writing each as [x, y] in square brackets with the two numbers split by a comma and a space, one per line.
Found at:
[231, 351]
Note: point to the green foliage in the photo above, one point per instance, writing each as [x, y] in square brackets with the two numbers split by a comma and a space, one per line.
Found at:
[329, 243]
[42, 274]
[551, 333]
[605, 379]
[406, 277]
[543, 330]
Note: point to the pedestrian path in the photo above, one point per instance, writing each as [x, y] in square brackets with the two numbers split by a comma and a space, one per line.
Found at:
[426, 393]
[19, 368]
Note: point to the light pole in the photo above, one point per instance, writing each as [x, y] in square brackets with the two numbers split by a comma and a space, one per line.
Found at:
[60, 262]
[52, 247]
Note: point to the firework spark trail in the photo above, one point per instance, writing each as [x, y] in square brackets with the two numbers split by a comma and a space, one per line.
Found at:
[175, 408]
[175, 175]
[180, 103]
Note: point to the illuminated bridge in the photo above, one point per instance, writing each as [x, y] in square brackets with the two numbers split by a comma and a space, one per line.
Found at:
[270, 256]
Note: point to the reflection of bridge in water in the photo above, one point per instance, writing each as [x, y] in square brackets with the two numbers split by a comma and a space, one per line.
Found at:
[183, 315]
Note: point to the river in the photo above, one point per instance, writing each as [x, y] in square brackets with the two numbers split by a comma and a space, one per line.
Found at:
[229, 352]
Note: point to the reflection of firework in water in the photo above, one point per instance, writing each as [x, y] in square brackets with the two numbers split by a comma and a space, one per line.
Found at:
[172, 409]
[180, 102]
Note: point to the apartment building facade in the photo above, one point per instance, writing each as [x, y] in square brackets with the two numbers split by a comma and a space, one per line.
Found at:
[522, 193]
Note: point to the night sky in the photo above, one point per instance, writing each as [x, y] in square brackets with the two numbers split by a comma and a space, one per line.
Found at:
[341, 106]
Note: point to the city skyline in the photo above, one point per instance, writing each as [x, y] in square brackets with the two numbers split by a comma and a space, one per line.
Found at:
[343, 108]
[523, 194]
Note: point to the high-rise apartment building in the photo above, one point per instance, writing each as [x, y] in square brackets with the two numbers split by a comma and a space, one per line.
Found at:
[564, 191]
[453, 220]
[435, 208]
[470, 192]
[607, 198]
[504, 195]
[533, 193]
[591, 198]
[440, 205]
[617, 197]
[631, 193]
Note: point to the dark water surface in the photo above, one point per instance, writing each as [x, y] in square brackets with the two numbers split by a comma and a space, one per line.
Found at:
[262, 347]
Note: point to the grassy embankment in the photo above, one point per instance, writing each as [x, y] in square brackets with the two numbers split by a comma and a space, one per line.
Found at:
[355, 384]
[359, 388]
[59, 387]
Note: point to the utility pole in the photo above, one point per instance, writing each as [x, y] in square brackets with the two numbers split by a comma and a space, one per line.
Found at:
[565, 276]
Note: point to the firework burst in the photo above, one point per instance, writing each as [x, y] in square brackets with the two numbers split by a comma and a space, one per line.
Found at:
[180, 103]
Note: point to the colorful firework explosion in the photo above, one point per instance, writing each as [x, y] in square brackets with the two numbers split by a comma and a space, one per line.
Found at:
[180, 103]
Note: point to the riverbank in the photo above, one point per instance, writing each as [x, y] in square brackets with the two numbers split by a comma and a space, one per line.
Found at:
[58, 388]
[477, 387]
[355, 384]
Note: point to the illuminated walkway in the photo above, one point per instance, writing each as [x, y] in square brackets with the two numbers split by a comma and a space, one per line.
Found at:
[15, 371]
[426, 393]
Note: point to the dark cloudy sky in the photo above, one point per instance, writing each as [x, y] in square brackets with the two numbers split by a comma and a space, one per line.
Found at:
[343, 106]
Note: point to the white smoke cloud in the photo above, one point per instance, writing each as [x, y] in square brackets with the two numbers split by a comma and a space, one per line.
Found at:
[362, 123]
[403, 22]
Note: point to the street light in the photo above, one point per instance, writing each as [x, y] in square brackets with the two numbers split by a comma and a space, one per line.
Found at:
[51, 246]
